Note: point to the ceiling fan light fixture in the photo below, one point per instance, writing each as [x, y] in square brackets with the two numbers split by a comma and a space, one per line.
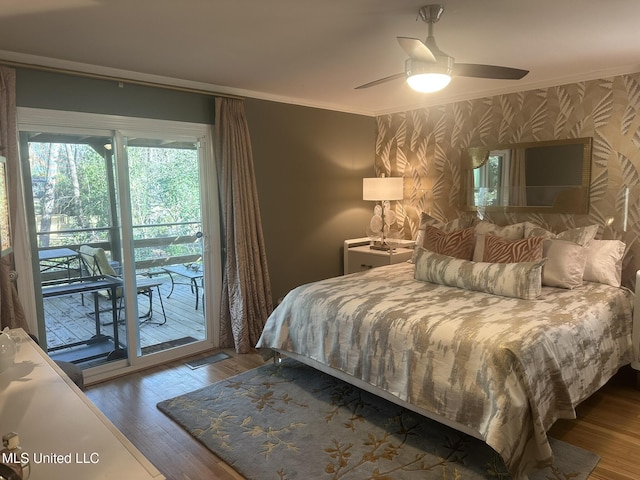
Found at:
[428, 77]
[428, 82]
[429, 69]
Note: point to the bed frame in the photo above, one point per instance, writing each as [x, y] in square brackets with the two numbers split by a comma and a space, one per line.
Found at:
[375, 391]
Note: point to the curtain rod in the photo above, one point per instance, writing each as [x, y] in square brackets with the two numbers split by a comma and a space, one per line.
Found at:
[100, 76]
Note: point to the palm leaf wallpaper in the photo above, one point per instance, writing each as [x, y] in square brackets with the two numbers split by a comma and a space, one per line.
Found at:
[425, 147]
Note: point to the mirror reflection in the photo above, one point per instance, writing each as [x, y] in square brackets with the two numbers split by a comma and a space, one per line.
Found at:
[548, 176]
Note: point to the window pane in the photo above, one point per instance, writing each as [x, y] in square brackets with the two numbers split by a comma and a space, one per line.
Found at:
[70, 189]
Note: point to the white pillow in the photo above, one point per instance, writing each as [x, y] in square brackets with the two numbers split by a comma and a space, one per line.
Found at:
[514, 231]
[579, 235]
[565, 263]
[604, 262]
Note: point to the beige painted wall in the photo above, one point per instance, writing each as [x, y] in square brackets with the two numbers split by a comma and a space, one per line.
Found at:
[424, 146]
[309, 166]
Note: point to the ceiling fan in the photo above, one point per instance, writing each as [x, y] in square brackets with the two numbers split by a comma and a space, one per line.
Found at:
[429, 69]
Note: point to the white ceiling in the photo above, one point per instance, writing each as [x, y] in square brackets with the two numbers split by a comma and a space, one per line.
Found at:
[315, 53]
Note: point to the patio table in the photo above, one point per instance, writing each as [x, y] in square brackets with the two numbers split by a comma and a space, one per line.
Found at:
[193, 274]
[57, 258]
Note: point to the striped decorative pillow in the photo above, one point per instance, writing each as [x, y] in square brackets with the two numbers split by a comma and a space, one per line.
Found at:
[511, 232]
[427, 220]
[501, 250]
[457, 244]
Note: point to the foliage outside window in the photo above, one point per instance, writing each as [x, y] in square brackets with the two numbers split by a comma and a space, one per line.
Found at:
[70, 193]
[74, 190]
[165, 203]
[487, 182]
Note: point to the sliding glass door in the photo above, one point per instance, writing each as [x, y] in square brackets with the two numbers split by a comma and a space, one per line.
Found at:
[72, 206]
[126, 254]
[166, 229]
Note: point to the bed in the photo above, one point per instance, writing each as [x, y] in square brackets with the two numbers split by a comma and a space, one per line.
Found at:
[463, 343]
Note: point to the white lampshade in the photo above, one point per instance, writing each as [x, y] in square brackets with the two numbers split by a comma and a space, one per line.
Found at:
[428, 82]
[429, 77]
[382, 188]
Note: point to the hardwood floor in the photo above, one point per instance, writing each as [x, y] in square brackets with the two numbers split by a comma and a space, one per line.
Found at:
[608, 422]
[130, 403]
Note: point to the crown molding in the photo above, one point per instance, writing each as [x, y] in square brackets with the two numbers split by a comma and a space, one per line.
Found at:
[108, 73]
[127, 76]
[520, 87]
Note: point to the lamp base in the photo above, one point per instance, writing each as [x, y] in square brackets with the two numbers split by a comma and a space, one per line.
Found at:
[380, 246]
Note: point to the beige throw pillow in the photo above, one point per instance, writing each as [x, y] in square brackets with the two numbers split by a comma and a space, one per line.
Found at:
[565, 263]
[604, 262]
[579, 235]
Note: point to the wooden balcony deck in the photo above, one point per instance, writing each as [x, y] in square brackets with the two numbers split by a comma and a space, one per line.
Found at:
[70, 319]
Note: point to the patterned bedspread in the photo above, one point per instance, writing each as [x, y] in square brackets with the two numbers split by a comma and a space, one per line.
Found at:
[505, 367]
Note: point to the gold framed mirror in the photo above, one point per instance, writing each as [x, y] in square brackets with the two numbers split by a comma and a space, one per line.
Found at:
[549, 176]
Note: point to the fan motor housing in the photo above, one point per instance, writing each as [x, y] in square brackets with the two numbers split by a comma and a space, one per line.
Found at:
[416, 67]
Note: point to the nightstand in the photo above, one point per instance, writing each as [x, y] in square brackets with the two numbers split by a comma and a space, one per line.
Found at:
[359, 257]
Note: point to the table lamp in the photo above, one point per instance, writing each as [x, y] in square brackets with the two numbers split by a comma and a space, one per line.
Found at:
[382, 189]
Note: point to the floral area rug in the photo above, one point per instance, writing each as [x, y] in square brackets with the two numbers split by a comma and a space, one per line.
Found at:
[289, 421]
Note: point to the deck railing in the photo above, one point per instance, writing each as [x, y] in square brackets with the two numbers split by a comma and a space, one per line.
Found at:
[150, 252]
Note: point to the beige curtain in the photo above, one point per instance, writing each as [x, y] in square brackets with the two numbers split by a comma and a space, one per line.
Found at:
[518, 180]
[246, 288]
[11, 313]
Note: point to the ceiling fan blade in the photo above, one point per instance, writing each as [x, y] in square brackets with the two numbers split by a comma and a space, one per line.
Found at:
[382, 80]
[488, 71]
[416, 49]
